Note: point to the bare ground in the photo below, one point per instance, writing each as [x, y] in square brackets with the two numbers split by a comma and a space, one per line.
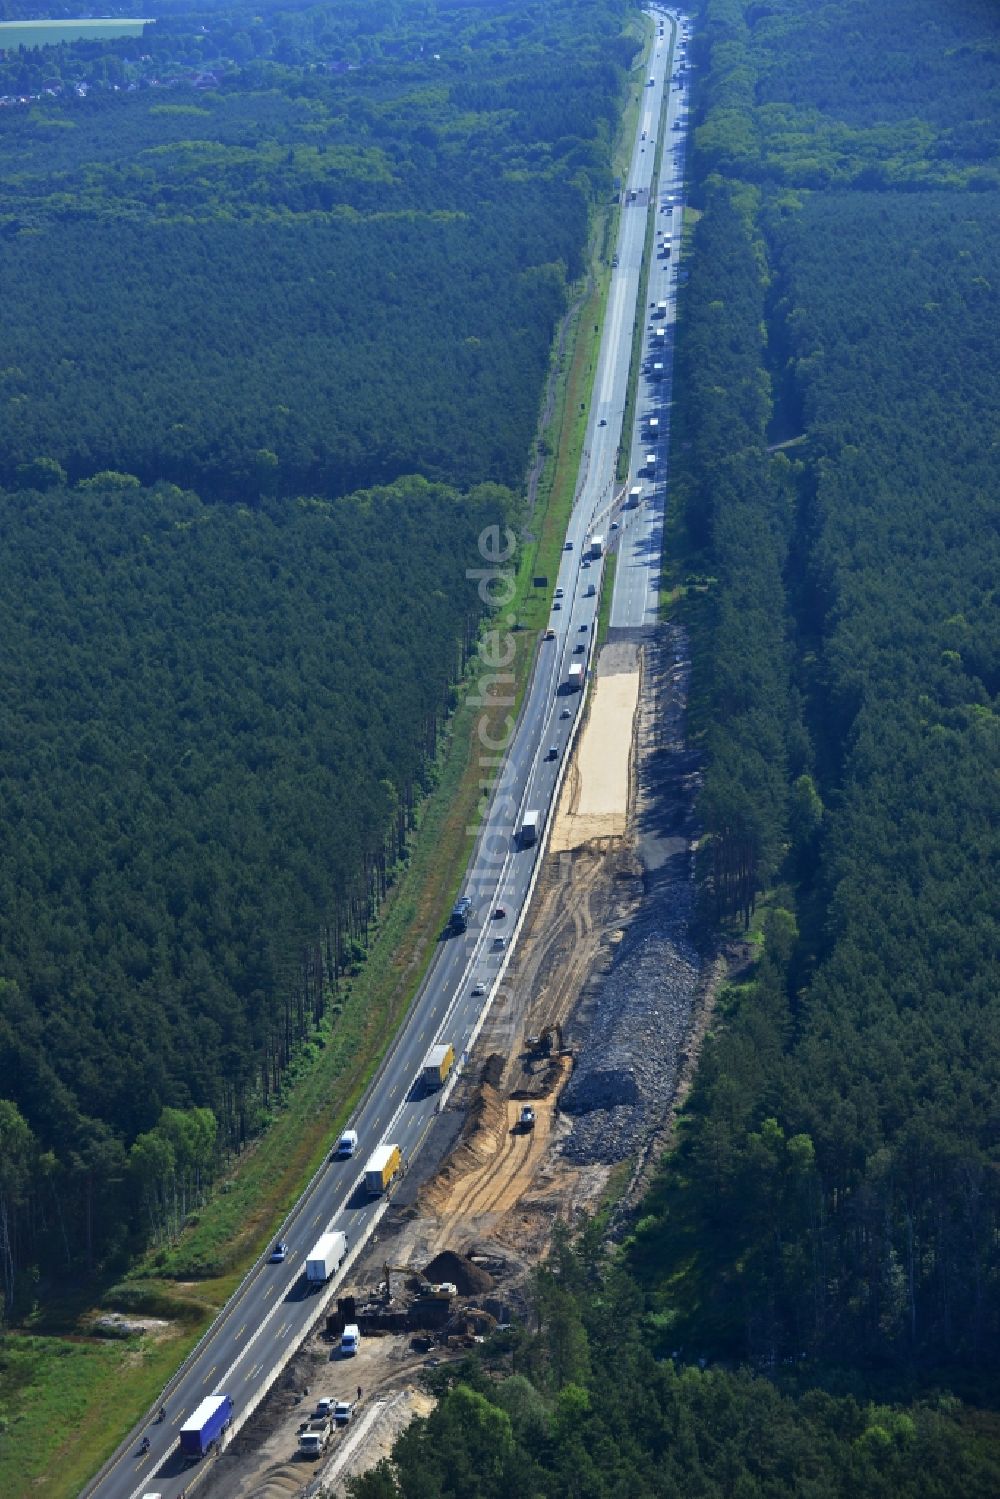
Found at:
[488, 1188]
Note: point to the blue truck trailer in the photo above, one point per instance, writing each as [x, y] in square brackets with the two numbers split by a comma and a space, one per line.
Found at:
[206, 1425]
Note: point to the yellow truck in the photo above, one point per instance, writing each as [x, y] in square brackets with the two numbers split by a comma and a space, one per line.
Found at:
[437, 1064]
[384, 1165]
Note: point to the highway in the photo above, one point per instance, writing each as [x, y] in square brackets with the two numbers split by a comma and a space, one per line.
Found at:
[273, 1309]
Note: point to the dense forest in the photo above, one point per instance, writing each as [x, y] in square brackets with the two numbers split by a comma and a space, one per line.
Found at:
[289, 278]
[590, 1412]
[813, 1287]
[835, 1193]
[210, 753]
[273, 356]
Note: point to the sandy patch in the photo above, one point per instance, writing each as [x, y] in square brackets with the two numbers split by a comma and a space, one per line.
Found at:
[594, 801]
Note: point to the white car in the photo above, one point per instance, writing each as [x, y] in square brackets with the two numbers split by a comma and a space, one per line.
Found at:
[479, 988]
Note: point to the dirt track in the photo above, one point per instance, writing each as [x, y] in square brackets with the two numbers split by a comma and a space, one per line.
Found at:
[498, 1190]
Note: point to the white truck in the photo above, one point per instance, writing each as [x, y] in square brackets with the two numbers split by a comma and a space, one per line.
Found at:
[313, 1440]
[651, 464]
[574, 678]
[529, 828]
[597, 546]
[326, 1256]
[635, 496]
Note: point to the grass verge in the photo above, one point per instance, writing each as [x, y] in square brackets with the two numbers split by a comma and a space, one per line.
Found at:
[95, 1389]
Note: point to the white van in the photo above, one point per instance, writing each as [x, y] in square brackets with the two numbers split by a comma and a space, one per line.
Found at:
[347, 1144]
[350, 1340]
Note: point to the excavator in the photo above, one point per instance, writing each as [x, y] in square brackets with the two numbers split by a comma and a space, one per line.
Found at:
[444, 1292]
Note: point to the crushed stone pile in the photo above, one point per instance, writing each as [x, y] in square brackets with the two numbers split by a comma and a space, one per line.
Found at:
[627, 1065]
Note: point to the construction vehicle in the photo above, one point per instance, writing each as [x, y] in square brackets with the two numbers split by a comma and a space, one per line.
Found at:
[313, 1440]
[389, 1271]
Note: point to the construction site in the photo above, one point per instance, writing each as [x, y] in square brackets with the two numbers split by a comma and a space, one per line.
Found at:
[588, 1046]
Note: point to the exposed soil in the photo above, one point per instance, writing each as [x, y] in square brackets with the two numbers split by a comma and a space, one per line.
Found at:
[595, 797]
[605, 968]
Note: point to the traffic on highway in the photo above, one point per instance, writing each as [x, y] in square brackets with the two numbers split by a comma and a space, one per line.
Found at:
[287, 1291]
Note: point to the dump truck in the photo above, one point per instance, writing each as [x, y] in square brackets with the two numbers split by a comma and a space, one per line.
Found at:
[205, 1425]
[529, 828]
[314, 1438]
[437, 1064]
[326, 1256]
[383, 1165]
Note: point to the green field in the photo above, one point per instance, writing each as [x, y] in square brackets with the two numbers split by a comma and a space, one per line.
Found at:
[49, 33]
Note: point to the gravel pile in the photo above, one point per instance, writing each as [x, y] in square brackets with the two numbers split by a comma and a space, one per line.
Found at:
[627, 1066]
[630, 1031]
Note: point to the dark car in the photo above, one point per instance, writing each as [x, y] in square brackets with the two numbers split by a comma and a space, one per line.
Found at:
[500, 914]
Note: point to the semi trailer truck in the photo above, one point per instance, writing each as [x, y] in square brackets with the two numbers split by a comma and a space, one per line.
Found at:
[437, 1064]
[205, 1425]
[326, 1256]
[382, 1168]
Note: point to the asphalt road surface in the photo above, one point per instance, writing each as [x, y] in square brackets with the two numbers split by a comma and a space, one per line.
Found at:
[274, 1307]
